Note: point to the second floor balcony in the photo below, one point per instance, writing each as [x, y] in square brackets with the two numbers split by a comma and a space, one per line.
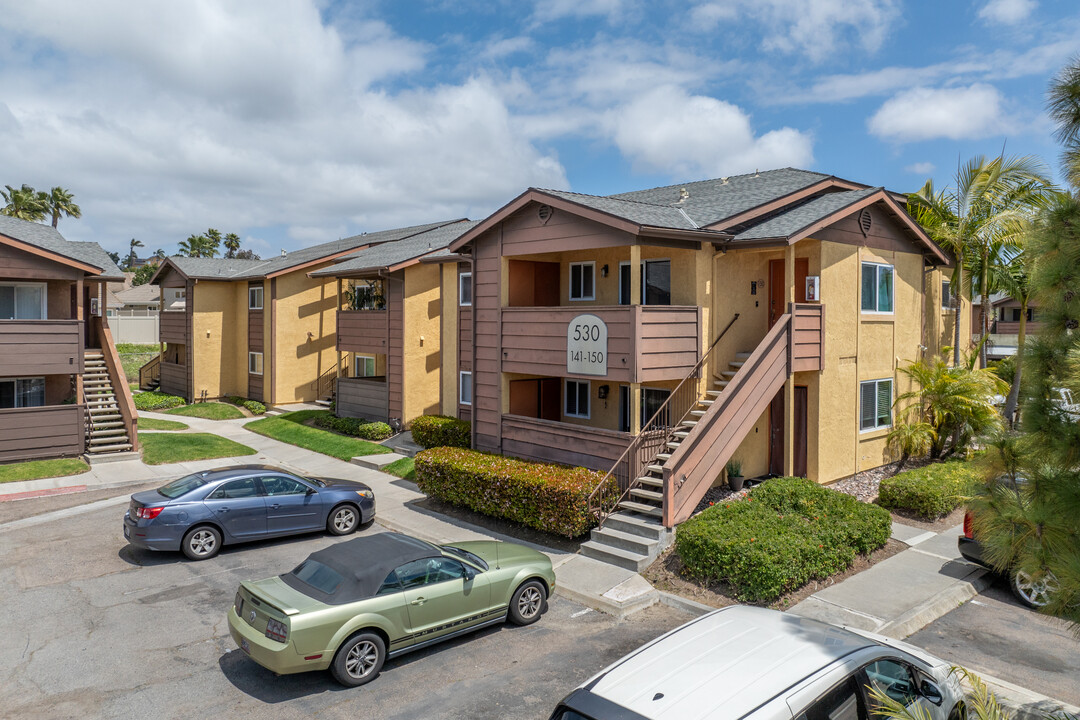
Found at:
[41, 347]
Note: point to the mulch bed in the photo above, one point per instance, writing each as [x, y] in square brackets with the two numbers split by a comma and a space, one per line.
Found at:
[667, 574]
[501, 526]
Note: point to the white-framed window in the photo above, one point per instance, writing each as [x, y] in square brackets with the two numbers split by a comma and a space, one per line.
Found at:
[875, 404]
[23, 301]
[577, 399]
[624, 408]
[364, 366]
[583, 280]
[465, 387]
[946, 295]
[877, 288]
[465, 289]
[255, 363]
[22, 392]
[255, 297]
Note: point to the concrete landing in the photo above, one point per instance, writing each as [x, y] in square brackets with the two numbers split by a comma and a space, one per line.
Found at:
[376, 462]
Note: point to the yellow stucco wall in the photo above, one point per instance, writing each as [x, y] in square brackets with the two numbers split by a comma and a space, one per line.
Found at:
[219, 329]
[305, 345]
[420, 342]
[449, 338]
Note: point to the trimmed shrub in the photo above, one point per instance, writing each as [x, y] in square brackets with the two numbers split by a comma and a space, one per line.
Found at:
[552, 498]
[930, 491]
[441, 431]
[786, 532]
[354, 426]
[254, 407]
[157, 401]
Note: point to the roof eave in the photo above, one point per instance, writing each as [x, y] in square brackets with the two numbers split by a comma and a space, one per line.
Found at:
[777, 203]
[54, 256]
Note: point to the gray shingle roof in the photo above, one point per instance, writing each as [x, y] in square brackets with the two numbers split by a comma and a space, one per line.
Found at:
[48, 238]
[389, 254]
[139, 295]
[638, 212]
[213, 268]
[802, 216]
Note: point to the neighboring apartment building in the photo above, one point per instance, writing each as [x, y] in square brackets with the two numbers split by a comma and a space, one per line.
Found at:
[260, 329]
[62, 388]
[663, 332]
[1004, 325]
[400, 328]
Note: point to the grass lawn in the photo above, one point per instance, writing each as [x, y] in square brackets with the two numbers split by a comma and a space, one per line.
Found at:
[133, 357]
[288, 428]
[155, 424]
[159, 448]
[35, 469]
[208, 411]
[403, 468]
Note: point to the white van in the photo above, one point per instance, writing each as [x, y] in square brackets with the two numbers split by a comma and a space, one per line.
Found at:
[744, 662]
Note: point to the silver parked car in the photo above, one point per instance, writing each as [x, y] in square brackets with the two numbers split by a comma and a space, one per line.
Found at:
[758, 664]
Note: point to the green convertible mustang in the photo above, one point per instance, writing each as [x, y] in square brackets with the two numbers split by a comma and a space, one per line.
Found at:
[352, 605]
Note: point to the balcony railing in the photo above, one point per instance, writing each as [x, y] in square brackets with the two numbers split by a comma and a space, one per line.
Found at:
[41, 347]
[41, 432]
[362, 331]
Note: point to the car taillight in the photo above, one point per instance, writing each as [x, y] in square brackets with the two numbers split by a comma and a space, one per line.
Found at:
[238, 603]
[967, 525]
[148, 513]
[276, 630]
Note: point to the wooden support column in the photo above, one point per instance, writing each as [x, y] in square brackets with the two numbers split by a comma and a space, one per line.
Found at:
[80, 316]
[635, 275]
[789, 383]
[635, 408]
[340, 303]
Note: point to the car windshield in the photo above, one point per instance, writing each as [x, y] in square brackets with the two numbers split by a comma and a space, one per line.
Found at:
[319, 576]
[182, 486]
[466, 555]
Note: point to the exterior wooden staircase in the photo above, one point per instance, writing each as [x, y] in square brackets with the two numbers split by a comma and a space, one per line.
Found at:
[682, 450]
[106, 432]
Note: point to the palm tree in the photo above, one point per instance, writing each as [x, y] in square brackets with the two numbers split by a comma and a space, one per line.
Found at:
[1063, 105]
[213, 237]
[232, 245]
[61, 202]
[132, 257]
[196, 246]
[1014, 280]
[987, 212]
[23, 203]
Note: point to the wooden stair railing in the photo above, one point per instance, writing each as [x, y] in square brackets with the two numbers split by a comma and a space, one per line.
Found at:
[324, 385]
[653, 436]
[128, 414]
[150, 372]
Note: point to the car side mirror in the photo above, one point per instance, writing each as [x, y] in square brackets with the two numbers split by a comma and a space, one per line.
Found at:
[470, 573]
[931, 692]
[310, 491]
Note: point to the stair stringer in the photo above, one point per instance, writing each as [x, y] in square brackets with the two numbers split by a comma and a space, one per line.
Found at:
[691, 469]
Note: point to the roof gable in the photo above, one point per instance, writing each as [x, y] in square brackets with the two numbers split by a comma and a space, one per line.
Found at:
[46, 241]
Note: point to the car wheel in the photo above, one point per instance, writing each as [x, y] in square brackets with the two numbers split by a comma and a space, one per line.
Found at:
[359, 660]
[528, 603]
[1032, 592]
[201, 543]
[343, 519]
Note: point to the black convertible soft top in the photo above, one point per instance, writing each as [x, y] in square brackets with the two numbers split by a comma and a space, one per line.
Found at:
[363, 564]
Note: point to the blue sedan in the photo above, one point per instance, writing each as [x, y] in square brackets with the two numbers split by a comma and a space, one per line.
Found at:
[199, 513]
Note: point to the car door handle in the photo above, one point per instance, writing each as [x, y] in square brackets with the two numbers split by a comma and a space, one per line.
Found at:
[418, 601]
[275, 506]
[223, 510]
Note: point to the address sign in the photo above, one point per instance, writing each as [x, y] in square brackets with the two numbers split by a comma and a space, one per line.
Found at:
[586, 346]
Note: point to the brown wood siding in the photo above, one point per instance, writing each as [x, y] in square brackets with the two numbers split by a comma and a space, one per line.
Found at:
[884, 234]
[524, 233]
[486, 410]
[16, 264]
[366, 398]
[808, 337]
[563, 443]
[644, 343]
[362, 331]
[41, 432]
[40, 347]
[173, 327]
[255, 384]
[464, 344]
[174, 379]
[255, 330]
[395, 356]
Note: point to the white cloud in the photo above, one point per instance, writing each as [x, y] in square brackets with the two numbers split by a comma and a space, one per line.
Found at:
[956, 113]
[814, 29]
[548, 10]
[1007, 12]
[689, 136]
[920, 168]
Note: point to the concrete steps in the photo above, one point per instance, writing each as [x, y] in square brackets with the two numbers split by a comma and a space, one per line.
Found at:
[628, 540]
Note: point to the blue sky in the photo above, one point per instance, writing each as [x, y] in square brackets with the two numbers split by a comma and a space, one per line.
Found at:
[293, 122]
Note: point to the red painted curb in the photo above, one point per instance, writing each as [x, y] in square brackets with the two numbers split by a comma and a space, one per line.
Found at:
[42, 493]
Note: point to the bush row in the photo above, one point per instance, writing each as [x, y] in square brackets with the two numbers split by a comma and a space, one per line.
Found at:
[930, 491]
[441, 431]
[552, 498]
[355, 427]
[786, 532]
[157, 401]
[253, 406]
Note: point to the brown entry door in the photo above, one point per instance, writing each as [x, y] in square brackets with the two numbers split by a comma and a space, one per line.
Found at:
[777, 302]
[776, 432]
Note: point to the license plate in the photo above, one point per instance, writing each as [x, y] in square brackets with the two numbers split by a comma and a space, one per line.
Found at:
[244, 646]
[127, 532]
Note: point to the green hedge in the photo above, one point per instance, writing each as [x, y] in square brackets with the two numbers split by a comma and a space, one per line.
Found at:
[355, 427]
[786, 532]
[253, 406]
[552, 498]
[441, 431]
[157, 401]
[930, 491]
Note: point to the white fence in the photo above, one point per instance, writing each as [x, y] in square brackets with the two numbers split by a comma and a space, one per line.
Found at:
[137, 329]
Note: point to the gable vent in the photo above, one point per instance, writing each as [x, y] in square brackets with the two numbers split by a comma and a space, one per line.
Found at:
[544, 212]
[866, 221]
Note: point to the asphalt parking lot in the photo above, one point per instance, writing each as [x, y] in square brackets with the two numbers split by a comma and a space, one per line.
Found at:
[94, 628]
[994, 634]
